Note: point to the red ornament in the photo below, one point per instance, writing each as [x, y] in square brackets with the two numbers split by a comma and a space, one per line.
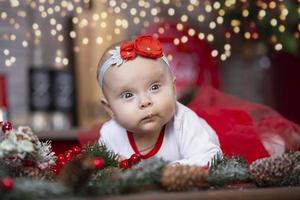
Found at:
[7, 183]
[135, 158]
[76, 150]
[125, 164]
[6, 126]
[127, 51]
[99, 163]
[148, 46]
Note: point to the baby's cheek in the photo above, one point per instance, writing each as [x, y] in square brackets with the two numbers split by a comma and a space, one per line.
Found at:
[168, 106]
[127, 114]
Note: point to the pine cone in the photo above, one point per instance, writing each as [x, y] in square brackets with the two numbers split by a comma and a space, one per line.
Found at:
[183, 177]
[272, 171]
[77, 172]
[294, 178]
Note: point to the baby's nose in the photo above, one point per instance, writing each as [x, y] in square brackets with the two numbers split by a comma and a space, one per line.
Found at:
[145, 102]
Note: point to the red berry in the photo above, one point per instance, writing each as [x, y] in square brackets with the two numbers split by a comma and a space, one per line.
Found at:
[99, 163]
[60, 158]
[76, 150]
[8, 183]
[135, 158]
[125, 164]
[70, 151]
[6, 126]
[68, 156]
[62, 163]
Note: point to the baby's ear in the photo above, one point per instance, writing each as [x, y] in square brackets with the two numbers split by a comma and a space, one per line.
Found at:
[174, 84]
[107, 107]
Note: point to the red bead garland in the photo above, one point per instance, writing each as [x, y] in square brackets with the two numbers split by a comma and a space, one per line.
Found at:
[127, 163]
[135, 158]
[60, 158]
[7, 183]
[63, 159]
[76, 150]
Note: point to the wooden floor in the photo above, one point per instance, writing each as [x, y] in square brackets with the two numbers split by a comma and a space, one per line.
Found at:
[289, 193]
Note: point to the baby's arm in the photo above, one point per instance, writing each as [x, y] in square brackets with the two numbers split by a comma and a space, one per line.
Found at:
[104, 140]
[198, 142]
[104, 137]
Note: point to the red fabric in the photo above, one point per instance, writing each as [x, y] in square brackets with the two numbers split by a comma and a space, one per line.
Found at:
[243, 126]
[235, 131]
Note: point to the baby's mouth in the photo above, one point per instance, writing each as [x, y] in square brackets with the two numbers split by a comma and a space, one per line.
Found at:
[148, 117]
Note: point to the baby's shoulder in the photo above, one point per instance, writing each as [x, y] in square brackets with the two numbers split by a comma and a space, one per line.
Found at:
[184, 113]
[110, 128]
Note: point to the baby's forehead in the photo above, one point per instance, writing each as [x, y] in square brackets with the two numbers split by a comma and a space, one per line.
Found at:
[138, 69]
[141, 65]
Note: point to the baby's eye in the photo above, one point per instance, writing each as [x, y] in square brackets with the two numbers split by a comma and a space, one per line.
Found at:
[126, 95]
[155, 87]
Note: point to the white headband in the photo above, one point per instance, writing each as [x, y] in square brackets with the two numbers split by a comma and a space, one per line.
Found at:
[116, 59]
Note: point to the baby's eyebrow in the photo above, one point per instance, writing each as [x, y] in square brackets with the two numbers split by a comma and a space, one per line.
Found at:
[120, 90]
[158, 77]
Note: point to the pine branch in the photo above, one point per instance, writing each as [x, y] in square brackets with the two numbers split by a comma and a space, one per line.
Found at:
[146, 173]
[100, 150]
[28, 189]
[228, 170]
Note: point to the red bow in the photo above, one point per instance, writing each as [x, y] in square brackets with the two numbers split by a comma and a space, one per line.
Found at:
[145, 46]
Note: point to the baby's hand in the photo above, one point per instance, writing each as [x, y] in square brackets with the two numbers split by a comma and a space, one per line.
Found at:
[121, 158]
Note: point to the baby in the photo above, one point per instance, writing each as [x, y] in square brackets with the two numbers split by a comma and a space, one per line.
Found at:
[140, 97]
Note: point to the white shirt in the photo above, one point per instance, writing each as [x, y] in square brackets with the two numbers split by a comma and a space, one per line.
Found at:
[188, 139]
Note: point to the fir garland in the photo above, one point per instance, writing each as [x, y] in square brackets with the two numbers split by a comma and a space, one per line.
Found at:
[82, 176]
[100, 150]
[225, 170]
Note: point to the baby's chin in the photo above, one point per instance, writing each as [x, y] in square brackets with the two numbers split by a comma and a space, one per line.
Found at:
[149, 128]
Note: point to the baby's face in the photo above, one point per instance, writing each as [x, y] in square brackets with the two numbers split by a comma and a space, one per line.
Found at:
[140, 94]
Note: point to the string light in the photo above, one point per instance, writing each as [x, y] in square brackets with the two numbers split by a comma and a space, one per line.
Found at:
[184, 39]
[171, 11]
[207, 16]
[201, 36]
[176, 41]
[214, 53]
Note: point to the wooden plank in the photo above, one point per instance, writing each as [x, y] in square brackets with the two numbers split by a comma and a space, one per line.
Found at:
[290, 193]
